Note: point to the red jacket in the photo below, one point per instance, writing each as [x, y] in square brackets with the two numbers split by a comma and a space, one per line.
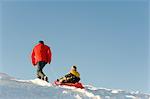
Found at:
[41, 52]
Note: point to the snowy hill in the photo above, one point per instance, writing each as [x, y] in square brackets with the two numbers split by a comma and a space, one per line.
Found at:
[11, 88]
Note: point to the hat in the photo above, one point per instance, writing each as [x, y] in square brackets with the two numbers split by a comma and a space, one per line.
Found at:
[42, 42]
[74, 67]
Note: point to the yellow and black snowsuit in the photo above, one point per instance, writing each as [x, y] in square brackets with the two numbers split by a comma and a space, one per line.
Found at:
[72, 77]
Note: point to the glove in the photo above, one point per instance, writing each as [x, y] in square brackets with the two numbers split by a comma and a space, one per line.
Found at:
[34, 64]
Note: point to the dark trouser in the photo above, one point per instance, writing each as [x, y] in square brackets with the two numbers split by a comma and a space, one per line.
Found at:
[40, 66]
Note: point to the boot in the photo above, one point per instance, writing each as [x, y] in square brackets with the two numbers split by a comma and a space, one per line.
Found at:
[45, 78]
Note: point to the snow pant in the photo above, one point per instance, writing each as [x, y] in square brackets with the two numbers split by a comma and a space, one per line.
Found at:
[40, 66]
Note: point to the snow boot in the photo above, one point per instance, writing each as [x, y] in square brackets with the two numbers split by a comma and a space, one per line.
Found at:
[45, 78]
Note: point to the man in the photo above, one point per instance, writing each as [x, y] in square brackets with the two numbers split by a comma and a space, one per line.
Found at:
[72, 77]
[41, 55]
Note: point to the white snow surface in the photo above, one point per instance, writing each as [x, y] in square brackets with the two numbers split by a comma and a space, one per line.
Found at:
[11, 88]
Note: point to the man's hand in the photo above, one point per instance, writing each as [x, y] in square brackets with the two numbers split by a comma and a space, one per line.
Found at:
[34, 64]
[49, 62]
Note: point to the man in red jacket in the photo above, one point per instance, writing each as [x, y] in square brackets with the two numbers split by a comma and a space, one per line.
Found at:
[41, 55]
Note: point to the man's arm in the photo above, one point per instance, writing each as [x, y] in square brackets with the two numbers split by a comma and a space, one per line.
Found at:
[33, 57]
[49, 55]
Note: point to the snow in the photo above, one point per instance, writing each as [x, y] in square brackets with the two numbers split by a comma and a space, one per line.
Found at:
[11, 88]
[131, 97]
[78, 97]
[37, 82]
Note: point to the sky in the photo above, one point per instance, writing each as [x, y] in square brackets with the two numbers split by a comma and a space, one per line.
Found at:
[107, 40]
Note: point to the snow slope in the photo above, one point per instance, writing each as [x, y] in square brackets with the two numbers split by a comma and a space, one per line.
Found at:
[11, 88]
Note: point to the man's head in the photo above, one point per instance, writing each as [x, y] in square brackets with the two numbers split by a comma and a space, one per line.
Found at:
[74, 68]
[42, 42]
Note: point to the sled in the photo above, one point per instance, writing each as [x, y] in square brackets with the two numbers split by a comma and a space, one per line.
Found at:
[77, 85]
